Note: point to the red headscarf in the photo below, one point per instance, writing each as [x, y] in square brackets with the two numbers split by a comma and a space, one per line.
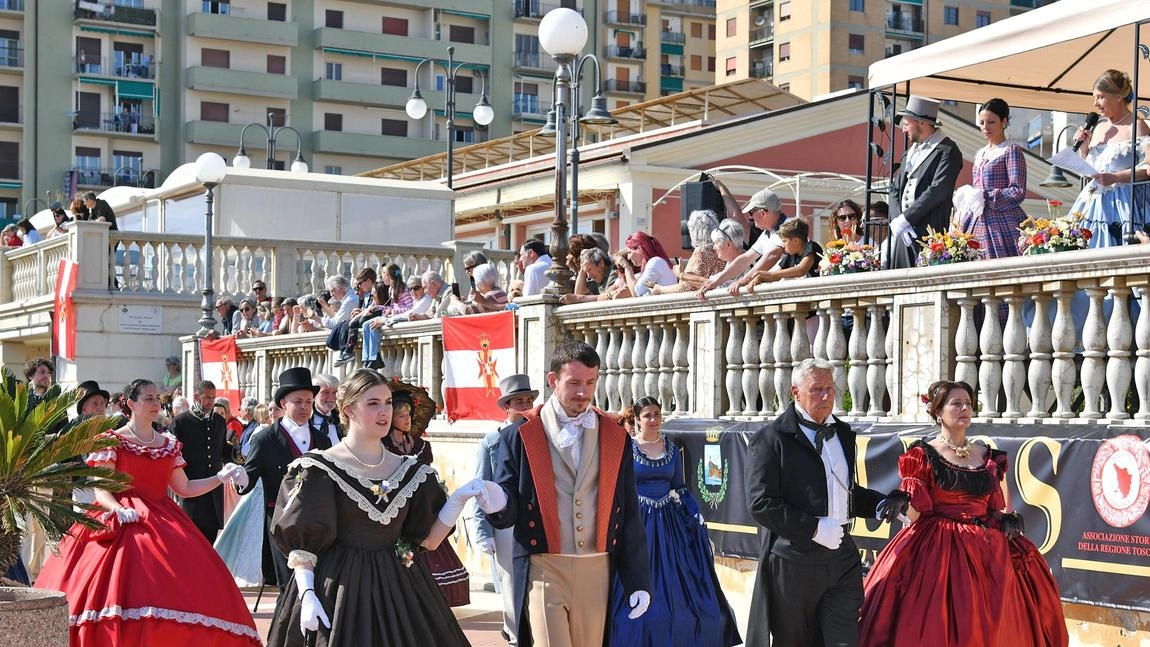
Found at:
[650, 245]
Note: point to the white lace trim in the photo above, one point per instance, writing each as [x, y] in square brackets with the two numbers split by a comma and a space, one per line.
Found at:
[156, 613]
[103, 456]
[453, 576]
[398, 497]
[989, 153]
[302, 558]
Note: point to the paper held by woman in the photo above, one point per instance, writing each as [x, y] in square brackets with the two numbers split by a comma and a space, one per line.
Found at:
[1068, 160]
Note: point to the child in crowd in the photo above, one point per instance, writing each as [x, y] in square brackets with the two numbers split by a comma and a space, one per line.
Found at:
[800, 255]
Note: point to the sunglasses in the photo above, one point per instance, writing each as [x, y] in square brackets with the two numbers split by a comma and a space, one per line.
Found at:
[245, 309]
[258, 288]
[846, 216]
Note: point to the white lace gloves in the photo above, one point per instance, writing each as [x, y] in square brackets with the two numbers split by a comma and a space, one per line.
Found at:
[311, 612]
[126, 515]
[829, 533]
[451, 510]
[234, 474]
[639, 602]
[486, 546]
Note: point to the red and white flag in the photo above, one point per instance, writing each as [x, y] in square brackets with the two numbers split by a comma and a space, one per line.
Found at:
[64, 317]
[218, 365]
[478, 350]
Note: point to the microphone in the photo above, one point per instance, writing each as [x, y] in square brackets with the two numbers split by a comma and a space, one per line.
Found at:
[1091, 122]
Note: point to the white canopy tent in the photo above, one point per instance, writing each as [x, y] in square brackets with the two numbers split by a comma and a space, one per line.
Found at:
[1046, 59]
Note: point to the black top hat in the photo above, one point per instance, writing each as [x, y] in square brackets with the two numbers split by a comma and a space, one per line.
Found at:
[90, 388]
[292, 380]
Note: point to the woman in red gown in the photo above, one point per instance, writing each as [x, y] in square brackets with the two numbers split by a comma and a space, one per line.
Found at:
[961, 574]
[149, 578]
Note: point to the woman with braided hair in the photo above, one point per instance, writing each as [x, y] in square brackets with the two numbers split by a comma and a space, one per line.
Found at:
[149, 577]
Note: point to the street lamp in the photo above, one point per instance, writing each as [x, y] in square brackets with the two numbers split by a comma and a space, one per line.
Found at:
[241, 160]
[563, 33]
[126, 173]
[210, 171]
[416, 107]
[33, 201]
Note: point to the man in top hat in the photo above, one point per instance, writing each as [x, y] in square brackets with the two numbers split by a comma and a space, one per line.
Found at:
[566, 485]
[203, 434]
[94, 402]
[922, 190]
[279, 444]
[517, 398]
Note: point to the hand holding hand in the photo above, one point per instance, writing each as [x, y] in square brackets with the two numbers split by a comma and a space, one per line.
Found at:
[893, 506]
[491, 498]
[1013, 525]
[233, 473]
[829, 533]
[639, 602]
[451, 509]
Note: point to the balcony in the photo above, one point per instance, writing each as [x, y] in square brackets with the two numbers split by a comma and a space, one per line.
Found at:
[115, 13]
[624, 18]
[673, 37]
[627, 87]
[356, 42]
[902, 23]
[372, 145]
[101, 66]
[248, 30]
[128, 123]
[105, 177]
[534, 10]
[527, 106]
[369, 94]
[692, 6]
[258, 84]
[617, 51]
[762, 70]
[12, 57]
[762, 35]
[667, 69]
[531, 60]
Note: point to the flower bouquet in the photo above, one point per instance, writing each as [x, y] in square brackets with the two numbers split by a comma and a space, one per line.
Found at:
[946, 247]
[1045, 235]
[841, 257]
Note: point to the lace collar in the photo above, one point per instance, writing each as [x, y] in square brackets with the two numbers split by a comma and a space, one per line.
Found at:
[358, 489]
[647, 461]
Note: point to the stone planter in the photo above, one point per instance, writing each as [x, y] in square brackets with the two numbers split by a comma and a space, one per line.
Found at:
[33, 617]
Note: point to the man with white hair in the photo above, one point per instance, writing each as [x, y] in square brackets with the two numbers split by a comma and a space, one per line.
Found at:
[180, 405]
[324, 417]
[440, 293]
[342, 302]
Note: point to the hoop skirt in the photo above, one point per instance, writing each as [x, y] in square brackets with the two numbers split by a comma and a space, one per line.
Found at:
[687, 604]
[153, 582]
[373, 596]
[951, 579]
[1110, 212]
[240, 544]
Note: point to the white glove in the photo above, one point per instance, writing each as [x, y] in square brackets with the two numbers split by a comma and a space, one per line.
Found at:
[487, 546]
[829, 533]
[699, 517]
[491, 498]
[451, 510]
[311, 612]
[899, 226]
[639, 602]
[126, 515]
[233, 473]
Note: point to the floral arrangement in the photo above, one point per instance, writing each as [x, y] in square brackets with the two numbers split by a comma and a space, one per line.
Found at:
[1044, 235]
[946, 247]
[381, 490]
[841, 257]
[1052, 207]
[405, 552]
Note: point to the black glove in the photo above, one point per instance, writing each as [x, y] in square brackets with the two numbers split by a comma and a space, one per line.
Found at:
[896, 503]
[1013, 525]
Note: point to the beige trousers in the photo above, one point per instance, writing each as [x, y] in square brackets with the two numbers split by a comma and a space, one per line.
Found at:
[567, 599]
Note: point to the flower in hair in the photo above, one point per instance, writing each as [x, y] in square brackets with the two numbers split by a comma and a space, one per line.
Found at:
[924, 397]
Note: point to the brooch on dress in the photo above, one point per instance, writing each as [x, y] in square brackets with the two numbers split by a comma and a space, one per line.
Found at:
[405, 552]
[382, 490]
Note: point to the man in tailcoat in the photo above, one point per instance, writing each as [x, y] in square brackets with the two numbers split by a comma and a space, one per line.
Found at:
[568, 475]
[204, 434]
[923, 189]
[273, 448]
[801, 487]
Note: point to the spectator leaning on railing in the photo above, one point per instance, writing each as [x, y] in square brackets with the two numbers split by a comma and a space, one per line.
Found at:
[486, 297]
[647, 253]
[765, 210]
[305, 315]
[594, 278]
[704, 261]
[536, 260]
[341, 303]
[472, 260]
[440, 294]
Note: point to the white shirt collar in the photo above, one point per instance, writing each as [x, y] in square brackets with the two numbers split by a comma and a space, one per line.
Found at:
[301, 434]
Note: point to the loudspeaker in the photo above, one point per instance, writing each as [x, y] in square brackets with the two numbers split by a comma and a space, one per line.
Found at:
[694, 196]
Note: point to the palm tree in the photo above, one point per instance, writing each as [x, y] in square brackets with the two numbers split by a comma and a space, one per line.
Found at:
[37, 466]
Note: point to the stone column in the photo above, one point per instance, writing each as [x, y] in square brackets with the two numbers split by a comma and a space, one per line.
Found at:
[459, 249]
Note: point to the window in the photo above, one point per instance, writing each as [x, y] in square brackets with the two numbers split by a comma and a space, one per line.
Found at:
[856, 43]
[732, 26]
[276, 116]
[711, 31]
[333, 18]
[732, 65]
[696, 30]
[395, 26]
[333, 121]
[8, 208]
[710, 63]
[10, 160]
[784, 10]
[950, 15]
[213, 111]
[855, 82]
[127, 165]
[981, 19]
[392, 76]
[215, 58]
[333, 71]
[784, 52]
[87, 163]
[393, 127]
[87, 109]
[221, 7]
[858, 5]
[331, 169]
[696, 63]
[10, 104]
[465, 135]
[277, 11]
[277, 64]
[461, 34]
[465, 84]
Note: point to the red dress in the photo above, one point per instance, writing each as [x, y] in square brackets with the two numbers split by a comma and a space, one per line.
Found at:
[951, 579]
[153, 582]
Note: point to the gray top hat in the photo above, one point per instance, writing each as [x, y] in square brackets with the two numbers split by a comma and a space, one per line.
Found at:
[514, 385]
[918, 107]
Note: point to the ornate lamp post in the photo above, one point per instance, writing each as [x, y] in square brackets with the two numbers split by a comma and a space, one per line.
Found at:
[241, 160]
[416, 107]
[210, 171]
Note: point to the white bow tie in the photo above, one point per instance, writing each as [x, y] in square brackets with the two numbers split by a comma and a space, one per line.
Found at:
[572, 427]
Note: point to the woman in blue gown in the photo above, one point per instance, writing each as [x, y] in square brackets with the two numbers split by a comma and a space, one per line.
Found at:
[687, 604]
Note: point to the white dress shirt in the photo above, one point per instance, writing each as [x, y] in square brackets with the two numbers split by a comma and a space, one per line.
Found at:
[301, 434]
[535, 277]
[837, 474]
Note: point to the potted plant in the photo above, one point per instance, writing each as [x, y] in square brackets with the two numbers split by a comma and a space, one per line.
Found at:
[38, 471]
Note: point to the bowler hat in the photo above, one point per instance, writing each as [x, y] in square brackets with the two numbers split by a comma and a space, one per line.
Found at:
[90, 388]
[923, 108]
[292, 380]
[514, 385]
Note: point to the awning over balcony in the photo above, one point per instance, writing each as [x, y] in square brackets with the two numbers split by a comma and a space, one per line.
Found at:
[91, 80]
[135, 90]
[390, 57]
[117, 32]
[466, 14]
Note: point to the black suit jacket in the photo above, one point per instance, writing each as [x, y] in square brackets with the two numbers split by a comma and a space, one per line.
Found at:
[205, 452]
[269, 456]
[104, 210]
[934, 179]
[524, 461]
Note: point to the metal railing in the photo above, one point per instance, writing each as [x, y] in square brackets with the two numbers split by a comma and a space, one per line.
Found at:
[101, 65]
[532, 60]
[673, 37]
[762, 70]
[625, 18]
[765, 32]
[634, 87]
[11, 56]
[117, 122]
[617, 51]
[666, 69]
[115, 13]
[901, 22]
[531, 9]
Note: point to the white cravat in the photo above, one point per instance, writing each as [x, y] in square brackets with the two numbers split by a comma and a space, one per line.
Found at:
[571, 429]
[301, 434]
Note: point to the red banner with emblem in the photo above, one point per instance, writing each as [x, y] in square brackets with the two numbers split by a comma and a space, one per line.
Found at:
[479, 350]
[218, 365]
[64, 316]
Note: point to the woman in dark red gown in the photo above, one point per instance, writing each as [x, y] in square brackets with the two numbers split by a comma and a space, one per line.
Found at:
[149, 578]
[961, 574]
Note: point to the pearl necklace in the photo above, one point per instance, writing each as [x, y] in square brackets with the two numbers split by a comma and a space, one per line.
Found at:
[1122, 121]
[382, 457]
[659, 439]
[961, 451]
[148, 442]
